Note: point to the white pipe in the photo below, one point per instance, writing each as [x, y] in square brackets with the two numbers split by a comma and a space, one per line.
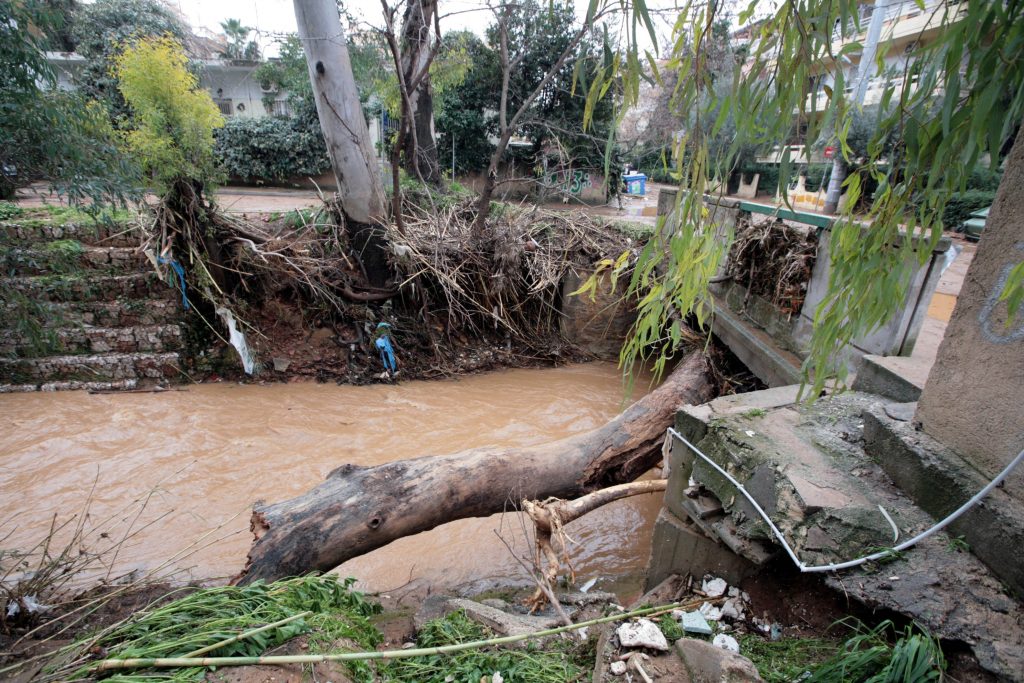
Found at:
[867, 558]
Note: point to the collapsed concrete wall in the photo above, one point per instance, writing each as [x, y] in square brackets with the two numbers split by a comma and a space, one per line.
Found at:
[772, 342]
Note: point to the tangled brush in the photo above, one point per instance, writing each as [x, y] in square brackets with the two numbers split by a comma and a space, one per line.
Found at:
[774, 260]
[509, 282]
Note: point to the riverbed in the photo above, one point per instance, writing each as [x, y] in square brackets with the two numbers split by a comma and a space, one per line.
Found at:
[198, 457]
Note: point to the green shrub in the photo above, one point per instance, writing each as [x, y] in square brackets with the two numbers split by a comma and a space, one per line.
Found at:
[962, 204]
[817, 176]
[172, 118]
[984, 179]
[9, 210]
[769, 182]
[270, 149]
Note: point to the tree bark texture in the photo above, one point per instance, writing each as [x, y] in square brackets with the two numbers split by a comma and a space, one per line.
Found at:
[345, 131]
[420, 150]
[359, 509]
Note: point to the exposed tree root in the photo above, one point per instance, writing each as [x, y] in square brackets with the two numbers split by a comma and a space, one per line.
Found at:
[550, 517]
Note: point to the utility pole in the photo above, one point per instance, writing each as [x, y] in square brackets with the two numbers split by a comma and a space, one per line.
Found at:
[865, 71]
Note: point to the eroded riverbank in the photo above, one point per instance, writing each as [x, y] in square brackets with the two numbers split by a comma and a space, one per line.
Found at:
[212, 450]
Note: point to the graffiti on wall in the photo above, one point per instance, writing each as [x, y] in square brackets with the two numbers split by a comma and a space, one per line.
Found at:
[999, 333]
[570, 181]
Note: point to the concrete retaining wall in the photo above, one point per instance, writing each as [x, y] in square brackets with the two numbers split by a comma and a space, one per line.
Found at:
[792, 334]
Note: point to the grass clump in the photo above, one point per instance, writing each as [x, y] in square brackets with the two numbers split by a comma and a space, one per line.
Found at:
[670, 628]
[62, 215]
[638, 232]
[882, 654]
[210, 615]
[788, 659]
[9, 210]
[535, 663]
[870, 656]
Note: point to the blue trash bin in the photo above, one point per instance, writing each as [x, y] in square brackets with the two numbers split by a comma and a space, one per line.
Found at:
[636, 183]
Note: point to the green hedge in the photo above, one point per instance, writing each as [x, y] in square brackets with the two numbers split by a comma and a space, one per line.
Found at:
[962, 204]
[769, 182]
[817, 176]
[984, 179]
[271, 149]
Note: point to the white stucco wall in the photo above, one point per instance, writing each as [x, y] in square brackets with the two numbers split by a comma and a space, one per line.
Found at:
[235, 89]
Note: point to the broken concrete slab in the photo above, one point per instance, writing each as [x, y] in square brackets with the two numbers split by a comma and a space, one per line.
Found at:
[950, 593]
[709, 664]
[641, 633]
[756, 349]
[678, 548]
[694, 622]
[940, 481]
[829, 512]
[797, 462]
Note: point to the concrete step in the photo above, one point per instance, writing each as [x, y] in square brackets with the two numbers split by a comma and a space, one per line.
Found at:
[92, 340]
[68, 257]
[898, 378]
[40, 288]
[94, 234]
[105, 367]
[119, 385]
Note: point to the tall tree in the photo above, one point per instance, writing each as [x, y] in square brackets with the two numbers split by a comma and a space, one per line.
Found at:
[239, 46]
[418, 51]
[465, 122]
[528, 76]
[345, 132]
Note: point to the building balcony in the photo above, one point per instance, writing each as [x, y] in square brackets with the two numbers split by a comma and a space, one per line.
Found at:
[905, 21]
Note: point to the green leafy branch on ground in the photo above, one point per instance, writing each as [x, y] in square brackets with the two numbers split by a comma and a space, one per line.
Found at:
[534, 663]
[210, 615]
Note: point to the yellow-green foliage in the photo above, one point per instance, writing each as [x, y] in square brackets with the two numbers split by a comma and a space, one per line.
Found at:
[448, 70]
[172, 118]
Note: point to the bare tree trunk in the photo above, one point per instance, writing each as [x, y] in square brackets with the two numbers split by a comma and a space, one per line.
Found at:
[420, 151]
[359, 509]
[345, 132]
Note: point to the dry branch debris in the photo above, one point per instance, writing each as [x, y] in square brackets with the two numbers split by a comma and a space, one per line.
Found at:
[774, 260]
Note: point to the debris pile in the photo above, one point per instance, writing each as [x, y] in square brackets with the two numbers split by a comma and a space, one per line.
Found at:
[774, 260]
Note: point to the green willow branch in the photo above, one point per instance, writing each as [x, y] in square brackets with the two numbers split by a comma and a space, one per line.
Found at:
[960, 100]
[179, 662]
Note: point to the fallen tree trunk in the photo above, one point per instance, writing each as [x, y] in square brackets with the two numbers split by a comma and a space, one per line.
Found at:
[359, 509]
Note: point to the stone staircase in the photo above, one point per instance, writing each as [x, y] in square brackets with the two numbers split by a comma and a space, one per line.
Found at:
[81, 308]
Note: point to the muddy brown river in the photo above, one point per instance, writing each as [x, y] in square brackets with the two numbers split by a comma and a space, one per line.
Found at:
[198, 458]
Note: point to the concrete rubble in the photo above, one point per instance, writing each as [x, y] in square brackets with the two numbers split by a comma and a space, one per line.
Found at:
[641, 633]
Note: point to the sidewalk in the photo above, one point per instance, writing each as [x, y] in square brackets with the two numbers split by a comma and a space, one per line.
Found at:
[229, 199]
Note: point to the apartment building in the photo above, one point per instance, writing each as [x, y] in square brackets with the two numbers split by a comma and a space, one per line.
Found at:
[231, 83]
[907, 26]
